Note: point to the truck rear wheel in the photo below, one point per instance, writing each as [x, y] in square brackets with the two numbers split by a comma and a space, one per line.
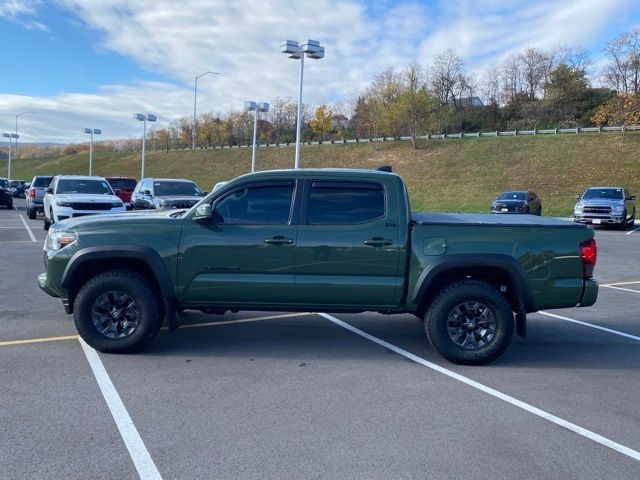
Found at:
[117, 312]
[469, 323]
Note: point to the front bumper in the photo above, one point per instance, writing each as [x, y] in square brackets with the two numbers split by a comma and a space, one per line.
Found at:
[44, 286]
[589, 293]
[599, 219]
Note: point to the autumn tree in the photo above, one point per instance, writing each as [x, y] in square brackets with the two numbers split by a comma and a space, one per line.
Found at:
[623, 109]
[321, 123]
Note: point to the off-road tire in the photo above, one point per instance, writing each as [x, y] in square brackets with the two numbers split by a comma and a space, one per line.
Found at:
[444, 303]
[138, 288]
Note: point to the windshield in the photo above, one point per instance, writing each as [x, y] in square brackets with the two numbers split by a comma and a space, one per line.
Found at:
[4, 183]
[92, 187]
[603, 193]
[42, 181]
[17, 183]
[122, 183]
[513, 196]
[168, 189]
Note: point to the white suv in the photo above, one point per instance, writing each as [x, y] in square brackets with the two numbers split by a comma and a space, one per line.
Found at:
[71, 196]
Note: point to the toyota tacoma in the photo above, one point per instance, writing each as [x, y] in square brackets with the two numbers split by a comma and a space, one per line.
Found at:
[318, 240]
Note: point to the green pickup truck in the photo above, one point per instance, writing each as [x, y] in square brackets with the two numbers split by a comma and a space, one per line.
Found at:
[318, 240]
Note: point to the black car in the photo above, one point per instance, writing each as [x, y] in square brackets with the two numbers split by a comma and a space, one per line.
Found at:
[6, 195]
[520, 201]
[165, 193]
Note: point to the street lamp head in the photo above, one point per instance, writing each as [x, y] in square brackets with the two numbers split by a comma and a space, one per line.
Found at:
[250, 105]
[313, 49]
[8, 135]
[97, 131]
[290, 47]
[263, 107]
[151, 117]
[139, 116]
[87, 130]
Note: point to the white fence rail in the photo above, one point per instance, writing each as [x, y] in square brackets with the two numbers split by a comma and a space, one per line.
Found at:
[440, 136]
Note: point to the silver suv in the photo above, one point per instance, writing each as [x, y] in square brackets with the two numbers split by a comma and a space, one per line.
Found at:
[35, 194]
[605, 206]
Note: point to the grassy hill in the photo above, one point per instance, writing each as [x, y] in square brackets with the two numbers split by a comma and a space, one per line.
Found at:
[451, 175]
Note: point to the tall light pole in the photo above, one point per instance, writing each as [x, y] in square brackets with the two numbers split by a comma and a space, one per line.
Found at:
[149, 117]
[19, 115]
[293, 49]
[255, 108]
[92, 132]
[195, 98]
[10, 136]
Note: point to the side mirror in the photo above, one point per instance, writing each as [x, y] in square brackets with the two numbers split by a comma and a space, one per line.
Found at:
[118, 191]
[632, 197]
[203, 214]
[146, 192]
[205, 193]
[578, 197]
[48, 190]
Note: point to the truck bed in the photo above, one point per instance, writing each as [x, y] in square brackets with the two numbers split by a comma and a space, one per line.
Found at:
[511, 220]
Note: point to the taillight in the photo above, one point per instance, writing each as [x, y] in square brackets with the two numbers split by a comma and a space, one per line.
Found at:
[32, 193]
[589, 255]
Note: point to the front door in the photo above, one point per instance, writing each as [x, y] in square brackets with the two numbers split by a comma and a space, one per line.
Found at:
[348, 250]
[246, 255]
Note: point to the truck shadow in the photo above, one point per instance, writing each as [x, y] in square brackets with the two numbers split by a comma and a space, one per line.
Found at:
[548, 346]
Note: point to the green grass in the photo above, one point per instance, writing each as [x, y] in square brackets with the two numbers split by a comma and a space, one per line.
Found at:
[451, 175]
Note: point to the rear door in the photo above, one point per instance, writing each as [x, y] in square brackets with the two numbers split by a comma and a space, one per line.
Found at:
[348, 251]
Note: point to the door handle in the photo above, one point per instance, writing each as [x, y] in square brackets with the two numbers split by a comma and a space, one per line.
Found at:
[378, 242]
[278, 240]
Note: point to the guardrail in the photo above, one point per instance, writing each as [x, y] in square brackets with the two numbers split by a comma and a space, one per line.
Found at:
[436, 136]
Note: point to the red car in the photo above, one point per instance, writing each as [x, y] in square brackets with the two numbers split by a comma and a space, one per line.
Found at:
[123, 186]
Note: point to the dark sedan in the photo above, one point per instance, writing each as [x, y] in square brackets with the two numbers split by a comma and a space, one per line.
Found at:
[521, 201]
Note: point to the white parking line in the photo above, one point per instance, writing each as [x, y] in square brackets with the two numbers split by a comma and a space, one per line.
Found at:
[33, 238]
[138, 451]
[590, 325]
[621, 288]
[634, 230]
[494, 393]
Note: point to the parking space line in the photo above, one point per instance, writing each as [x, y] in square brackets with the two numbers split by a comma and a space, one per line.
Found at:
[621, 288]
[590, 325]
[31, 235]
[604, 441]
[38, 340]
[183, 326]
[143, 462]
[243, 320]
[633, 282]
[634, 230]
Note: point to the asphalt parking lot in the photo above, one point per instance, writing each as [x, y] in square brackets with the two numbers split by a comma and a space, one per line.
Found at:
[305, 396]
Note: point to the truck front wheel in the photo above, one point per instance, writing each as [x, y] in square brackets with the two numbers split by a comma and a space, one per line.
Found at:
[117, 312]
[469, 323]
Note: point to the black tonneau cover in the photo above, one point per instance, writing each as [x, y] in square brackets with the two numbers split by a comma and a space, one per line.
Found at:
[510, 220]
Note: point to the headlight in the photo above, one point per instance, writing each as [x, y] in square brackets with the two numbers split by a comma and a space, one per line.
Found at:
[62, 203]
[618, 209]
[58, 240]
[577, 210]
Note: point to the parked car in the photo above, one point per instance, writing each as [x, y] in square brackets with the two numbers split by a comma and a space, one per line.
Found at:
[521, 201]
[71, 196]
[18, 187]
[319, 240]
[6, 198]
[605, 206]
[155, 193]
[35, 194]
[218, 186]
[124, 187]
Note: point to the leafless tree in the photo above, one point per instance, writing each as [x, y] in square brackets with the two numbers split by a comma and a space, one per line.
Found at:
[623, 71]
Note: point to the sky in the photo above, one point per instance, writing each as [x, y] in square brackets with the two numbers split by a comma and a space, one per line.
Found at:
[82, 63]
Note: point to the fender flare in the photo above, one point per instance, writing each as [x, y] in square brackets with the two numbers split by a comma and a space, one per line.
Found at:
[138, 252]
[510, 265]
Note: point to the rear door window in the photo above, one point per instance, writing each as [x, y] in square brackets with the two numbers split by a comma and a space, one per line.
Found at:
[337, 202]
[257, 205]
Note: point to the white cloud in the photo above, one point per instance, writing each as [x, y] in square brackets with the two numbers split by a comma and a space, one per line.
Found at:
[241, 40]
[21, 11]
